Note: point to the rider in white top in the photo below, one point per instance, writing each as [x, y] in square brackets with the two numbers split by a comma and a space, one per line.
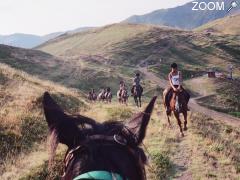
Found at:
[175, 80]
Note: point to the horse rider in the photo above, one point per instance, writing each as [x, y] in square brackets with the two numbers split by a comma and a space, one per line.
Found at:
[102, 93]
[137, 83]
[122, 87]
[92, 91]
[175, 80]
[108, 90]
[93, 94]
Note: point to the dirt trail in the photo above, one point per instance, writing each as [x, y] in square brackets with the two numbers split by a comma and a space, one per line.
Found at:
[182, 159]
[195, 107]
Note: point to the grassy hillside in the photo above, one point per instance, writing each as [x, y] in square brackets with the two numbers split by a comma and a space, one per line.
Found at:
[102, 57]
[23, 130]
[129, 45]
[227, 25]
[83, 72]
[218, 94]
[90, 59]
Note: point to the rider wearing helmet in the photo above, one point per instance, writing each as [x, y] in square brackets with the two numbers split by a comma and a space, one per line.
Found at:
[175, 80]
[137, 80]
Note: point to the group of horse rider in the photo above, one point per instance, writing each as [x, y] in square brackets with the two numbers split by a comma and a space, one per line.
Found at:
[123, 91]
[175, 80]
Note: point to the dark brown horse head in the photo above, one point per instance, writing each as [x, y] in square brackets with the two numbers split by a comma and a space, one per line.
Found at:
[111, 146]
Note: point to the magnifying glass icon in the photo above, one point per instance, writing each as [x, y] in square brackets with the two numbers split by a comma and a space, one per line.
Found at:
[234, 4]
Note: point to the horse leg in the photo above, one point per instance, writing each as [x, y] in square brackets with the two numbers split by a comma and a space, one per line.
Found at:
[169, 123]
[185, 121]
[136, 100]
[179, 123]
[140, 101]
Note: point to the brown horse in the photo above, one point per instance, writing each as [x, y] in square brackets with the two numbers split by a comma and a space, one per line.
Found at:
[92, 96]
[122, 96]
[101, 95]
[95, 149]
[105, 95]
[137, 95]
[108, 95]
[178, 105]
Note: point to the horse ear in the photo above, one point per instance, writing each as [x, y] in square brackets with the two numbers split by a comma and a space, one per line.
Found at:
[138, 124]
[65, 126]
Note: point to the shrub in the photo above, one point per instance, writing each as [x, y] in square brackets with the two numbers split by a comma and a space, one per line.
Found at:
[33, 129]
[42, 172]
[162, 165]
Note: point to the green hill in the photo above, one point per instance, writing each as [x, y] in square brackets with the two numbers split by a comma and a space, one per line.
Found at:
[102, 57]
[68, 71]
[227, 25]
[129, 45]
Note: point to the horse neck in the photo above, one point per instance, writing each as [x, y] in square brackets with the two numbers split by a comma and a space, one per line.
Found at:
[178, 96]
[173, 101]
[137, 92]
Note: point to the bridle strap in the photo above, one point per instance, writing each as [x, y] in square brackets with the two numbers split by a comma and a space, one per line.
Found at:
[100, 138]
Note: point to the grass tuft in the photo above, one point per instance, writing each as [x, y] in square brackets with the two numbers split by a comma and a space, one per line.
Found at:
[162, 165]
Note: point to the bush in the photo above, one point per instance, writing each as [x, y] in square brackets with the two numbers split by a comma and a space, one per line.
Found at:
[162, 165]
[42, 172]
[33, 129]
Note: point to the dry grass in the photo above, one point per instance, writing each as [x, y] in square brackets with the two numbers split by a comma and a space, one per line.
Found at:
[225, 25]
[201, 86]
[22, 125]
[201, 154]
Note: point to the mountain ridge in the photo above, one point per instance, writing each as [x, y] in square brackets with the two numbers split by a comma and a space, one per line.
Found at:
[182, 16]
[29, 41]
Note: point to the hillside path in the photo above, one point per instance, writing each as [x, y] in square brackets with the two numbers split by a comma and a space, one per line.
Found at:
[194, 106]
[183, 158]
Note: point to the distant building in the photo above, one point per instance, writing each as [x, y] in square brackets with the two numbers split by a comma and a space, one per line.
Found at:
[211, 73]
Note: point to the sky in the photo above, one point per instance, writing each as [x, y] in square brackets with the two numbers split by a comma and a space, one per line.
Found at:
[42, 17]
